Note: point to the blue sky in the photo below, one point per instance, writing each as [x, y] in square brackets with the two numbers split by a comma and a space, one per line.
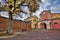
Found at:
[49, 5]
[53, 5]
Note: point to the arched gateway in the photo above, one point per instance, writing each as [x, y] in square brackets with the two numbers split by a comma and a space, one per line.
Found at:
[44, 25]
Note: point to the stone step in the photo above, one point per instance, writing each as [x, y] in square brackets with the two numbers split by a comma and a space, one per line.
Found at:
[2, 31]
[4, 35]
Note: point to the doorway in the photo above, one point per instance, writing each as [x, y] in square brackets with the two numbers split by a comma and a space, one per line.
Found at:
[43, 26]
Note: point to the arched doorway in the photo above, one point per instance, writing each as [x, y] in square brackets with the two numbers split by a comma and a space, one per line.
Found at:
[50, 25]
[43, 25]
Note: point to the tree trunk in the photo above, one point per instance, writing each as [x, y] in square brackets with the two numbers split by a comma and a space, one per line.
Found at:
[9, 31]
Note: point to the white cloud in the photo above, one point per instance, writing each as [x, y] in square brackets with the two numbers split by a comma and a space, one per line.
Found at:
[56, 7]
[47, 3]
[0, 0]
[53, 8]
[43, 1]
[4, 14]
[55, 2]
[38, 12]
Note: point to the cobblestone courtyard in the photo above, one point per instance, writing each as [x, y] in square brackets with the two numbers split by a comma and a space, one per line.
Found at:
[37, 35]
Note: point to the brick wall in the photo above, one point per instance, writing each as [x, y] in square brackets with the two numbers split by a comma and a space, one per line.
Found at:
[45, 15]
[16, 26]
[55, 24]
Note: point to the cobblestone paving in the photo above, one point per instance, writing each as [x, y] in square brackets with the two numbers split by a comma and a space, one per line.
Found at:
[37, 35]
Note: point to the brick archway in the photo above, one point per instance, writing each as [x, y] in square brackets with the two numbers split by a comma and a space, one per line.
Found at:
[43, 25]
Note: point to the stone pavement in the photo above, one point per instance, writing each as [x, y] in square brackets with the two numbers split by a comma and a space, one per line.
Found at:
[3, 34]
[37, 35]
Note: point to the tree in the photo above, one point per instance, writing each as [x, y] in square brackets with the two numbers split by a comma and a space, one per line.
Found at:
[32, 5]
[9, 31]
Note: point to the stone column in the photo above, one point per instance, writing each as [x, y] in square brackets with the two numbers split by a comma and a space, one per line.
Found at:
[39, 25]
[48, 25]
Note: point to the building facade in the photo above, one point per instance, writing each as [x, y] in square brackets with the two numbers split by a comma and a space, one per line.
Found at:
[55, 22]
[49, 20]
[34, 21]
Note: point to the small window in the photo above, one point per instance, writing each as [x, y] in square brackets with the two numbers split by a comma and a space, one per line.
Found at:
[55, 23]
[34, 20]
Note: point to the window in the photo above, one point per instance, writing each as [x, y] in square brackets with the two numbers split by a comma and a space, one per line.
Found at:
[34, 20]
[55, 23]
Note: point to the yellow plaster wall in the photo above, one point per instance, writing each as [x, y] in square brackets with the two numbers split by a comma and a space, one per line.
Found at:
[34, 21]
[54, 16]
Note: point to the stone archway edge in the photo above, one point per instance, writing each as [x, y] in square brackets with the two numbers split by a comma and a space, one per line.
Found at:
[47, 23]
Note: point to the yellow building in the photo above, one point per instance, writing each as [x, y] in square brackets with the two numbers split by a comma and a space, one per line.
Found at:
[33, 20]
[56, 15]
